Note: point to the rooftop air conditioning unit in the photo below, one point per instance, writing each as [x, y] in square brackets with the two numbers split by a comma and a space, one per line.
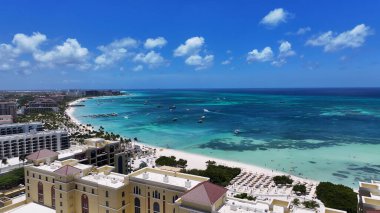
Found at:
[187, 183]
[166, 179]
[145, 175]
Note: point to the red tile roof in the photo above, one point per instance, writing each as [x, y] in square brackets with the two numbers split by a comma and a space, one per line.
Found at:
[67, 170]
[204, 193]
[43, 153]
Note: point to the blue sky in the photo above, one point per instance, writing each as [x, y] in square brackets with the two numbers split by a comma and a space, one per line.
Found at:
[189, 44]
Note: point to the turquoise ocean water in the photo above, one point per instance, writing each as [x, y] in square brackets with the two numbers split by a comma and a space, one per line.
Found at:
[323, 134]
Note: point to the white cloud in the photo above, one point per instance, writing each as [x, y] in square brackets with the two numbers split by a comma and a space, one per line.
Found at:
[70, 53]
[331, 41]
[21, 44]
[114, 52]
[303, 30]
[138, 68]
[228, 61]
[158, 42]
[24, 43]
[151, 58]
[285, 49]
[191, 47]
[275, 17]
[265, 55]
[200, 62]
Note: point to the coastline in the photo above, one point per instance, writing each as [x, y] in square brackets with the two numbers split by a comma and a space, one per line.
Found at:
[197, 161]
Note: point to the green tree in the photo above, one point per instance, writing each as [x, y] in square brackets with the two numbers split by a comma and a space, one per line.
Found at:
[337, 196]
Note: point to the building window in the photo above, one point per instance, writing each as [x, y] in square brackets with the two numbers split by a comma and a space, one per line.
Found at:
[137, 205]
[28, 187]
[123, 211]
[60, 195]
[53, 196]
[40, 192]
[156, 194]
[27, 180]
[123, 203]
[39, 177]
[46, 178]
[53, 181]
[173, 210]
[84, 188]
[107, 211]
[136, 190]
[175, 198]
[85, 207]
[92, 191]
[106, 193]
[122, 194]
[107, 203]
[156, 207]
[33, 175]
[60, 187]
[76, 186]
[60, 204]
[27, 173]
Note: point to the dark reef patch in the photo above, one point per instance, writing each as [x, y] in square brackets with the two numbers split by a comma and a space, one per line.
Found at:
[339, 175]
[366, 169]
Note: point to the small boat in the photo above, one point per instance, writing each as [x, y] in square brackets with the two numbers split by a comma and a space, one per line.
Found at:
[172, 107]
[203, 117]
[206, 110]
[200, 121]
[175, 119]
[237, 131]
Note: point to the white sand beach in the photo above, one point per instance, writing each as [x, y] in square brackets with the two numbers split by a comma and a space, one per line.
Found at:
[70, 110]
[196, 161]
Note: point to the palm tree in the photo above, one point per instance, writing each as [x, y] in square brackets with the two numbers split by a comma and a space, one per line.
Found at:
[4, 161]
[21, 158]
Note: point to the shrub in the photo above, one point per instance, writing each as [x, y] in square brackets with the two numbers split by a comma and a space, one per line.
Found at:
[171, 161]
[283, 179]
[12, 179]
[245, 196]
[299, 188]
[310, 204]
[296, 202]
[337, 196]
[218, 174]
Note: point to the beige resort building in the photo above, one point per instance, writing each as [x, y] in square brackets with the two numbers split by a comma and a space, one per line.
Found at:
[71, 187]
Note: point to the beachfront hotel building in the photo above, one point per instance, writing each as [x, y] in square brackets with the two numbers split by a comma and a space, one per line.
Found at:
[71, 187]
[18, 128]
[99, 152]
[42, 105]
[8, 108]
[369, 197]
[16, 145]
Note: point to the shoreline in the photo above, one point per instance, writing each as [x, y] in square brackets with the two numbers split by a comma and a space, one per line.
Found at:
[198, 161]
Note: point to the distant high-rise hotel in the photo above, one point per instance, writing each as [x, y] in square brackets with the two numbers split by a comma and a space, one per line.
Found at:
[26, 143]
[8, 108]
[24, 138]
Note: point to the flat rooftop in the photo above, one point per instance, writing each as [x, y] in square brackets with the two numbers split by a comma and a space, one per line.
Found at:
[113, 180]
[38, 133]
[74, 149]
[31, 207]
[234, 206]
[58, 164]
[168, 178]
[19, 124]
